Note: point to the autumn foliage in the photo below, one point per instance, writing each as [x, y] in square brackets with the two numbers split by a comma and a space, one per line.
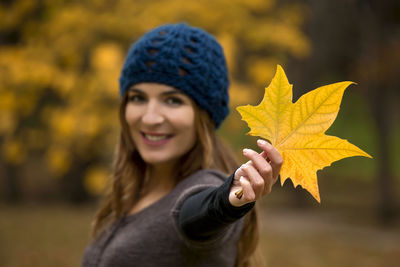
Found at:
[60, 63]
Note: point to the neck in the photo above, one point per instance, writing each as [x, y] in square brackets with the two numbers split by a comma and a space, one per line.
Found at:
[161, 177]
[159, 181]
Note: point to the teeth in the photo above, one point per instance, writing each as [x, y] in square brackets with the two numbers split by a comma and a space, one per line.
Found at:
[155, 137]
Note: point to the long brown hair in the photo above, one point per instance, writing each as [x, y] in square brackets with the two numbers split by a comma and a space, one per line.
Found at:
[129, 171]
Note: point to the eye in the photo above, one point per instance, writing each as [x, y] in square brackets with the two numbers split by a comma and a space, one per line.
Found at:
[174, 101]
[136, 98]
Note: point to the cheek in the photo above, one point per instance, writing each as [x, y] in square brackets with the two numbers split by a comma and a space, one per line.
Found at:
[130, 115]
[189, 127]
[182, 120]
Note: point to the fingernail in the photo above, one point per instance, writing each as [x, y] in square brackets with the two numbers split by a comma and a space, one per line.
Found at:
[245, 151]
[261, 142]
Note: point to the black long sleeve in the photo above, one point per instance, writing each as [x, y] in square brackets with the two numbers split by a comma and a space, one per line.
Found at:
[207, 213]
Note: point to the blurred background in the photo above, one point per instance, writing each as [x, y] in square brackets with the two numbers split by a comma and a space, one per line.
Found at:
[59, 68]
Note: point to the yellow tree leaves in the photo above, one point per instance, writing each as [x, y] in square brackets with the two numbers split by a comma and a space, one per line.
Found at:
[60, 69]
[297, 130]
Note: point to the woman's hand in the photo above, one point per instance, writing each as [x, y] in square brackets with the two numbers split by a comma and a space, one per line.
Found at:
[257, 176]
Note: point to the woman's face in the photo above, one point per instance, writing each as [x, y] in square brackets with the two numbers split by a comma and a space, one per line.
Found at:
[161, 122]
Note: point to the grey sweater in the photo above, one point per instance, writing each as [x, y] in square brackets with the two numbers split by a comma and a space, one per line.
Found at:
[152, 237]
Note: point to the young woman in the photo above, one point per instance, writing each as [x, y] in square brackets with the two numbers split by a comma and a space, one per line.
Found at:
[172, 201]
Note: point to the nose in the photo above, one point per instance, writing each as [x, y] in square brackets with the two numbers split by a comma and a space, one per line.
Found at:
[153, 114]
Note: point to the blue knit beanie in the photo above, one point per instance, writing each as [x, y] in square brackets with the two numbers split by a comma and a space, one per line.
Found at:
[186, 58]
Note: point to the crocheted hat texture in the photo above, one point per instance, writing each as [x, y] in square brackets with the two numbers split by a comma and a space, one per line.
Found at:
[186, 58]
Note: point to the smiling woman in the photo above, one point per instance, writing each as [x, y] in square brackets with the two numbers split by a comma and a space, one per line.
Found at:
[172, 200]
[161, 122]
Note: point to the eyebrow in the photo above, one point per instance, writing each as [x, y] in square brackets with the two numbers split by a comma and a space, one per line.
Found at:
[170, 92]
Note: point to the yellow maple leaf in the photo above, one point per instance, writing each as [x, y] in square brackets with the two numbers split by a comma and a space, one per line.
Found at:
[297, 130]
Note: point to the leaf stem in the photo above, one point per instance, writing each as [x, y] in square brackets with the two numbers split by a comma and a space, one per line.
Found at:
[239, 193]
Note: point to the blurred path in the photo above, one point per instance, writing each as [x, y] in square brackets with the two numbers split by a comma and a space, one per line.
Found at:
[316, 237]
[56, 235]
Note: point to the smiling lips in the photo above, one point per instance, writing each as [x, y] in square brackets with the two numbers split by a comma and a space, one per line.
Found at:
[156, 139]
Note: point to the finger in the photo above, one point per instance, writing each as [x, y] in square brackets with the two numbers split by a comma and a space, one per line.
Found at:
[248, 192]
[256, 180]
[260, 163]
[273, 154]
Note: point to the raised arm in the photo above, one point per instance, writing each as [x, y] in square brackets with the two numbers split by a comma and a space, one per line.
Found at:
[209, 212]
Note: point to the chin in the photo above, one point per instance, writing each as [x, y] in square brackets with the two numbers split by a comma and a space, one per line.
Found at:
[157, 159]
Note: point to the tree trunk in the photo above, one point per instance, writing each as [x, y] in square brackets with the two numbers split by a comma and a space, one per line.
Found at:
[386, 209]
[72, 187]
[12, 187]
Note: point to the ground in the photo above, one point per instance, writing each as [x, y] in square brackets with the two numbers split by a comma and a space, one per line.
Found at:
[56, 235]
[308, 238]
